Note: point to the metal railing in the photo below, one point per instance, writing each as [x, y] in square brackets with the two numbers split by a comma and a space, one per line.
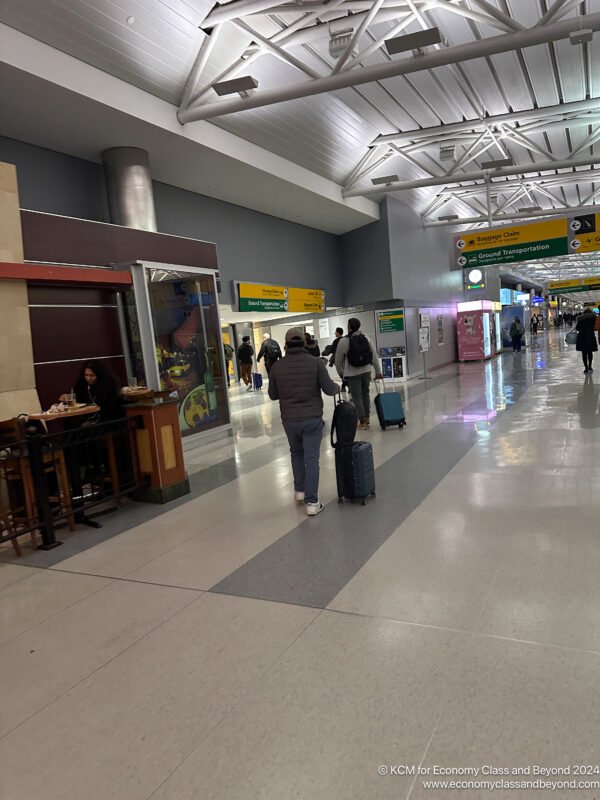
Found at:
[49, 480]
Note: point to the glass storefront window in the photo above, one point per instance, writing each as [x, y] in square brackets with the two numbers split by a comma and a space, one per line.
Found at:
[175, 341]
[188, 348]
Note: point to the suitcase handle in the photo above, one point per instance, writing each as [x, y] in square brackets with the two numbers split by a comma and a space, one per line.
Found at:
[382, 382]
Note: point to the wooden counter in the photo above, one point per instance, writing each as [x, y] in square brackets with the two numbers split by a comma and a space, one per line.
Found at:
[159, 449]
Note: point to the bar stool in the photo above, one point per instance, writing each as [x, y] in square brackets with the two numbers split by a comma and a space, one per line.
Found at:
[15, 470]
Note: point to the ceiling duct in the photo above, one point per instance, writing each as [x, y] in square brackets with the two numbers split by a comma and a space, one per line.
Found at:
[339, 42]
[447, 152]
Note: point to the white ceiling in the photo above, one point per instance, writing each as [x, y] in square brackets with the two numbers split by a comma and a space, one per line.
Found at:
[344, 138]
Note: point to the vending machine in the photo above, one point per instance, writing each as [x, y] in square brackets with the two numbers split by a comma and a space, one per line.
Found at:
[475, 323]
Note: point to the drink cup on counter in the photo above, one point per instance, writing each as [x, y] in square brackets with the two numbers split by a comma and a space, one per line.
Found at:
[71, 400]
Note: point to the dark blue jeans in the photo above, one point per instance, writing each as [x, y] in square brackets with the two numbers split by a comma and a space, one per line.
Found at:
[305, 437]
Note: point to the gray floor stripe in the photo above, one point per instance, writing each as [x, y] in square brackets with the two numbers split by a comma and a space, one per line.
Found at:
[132, 514]
[312, 563]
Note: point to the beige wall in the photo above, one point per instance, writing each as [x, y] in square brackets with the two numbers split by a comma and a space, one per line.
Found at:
[17, 380]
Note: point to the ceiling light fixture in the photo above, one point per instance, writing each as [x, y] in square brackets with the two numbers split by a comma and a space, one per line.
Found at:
[385, 180]
[448, 217]
[130, 20]
[527, 209]
[413, 41]
[498, 163]
[242, 86]
[581, 36]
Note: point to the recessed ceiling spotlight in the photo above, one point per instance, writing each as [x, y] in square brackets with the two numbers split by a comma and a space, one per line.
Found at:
[130, 20]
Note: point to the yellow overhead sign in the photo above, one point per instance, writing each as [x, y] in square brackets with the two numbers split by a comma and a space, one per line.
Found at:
[271, 298]
[585, 234]
[575, 284]
[516, 234]
[261, 291]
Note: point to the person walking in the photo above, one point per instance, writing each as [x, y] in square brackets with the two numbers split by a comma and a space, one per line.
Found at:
[245, 353]
[534, 324]
[330, 349]
[270, 351]
[516, 334]
[311, 344]
[586, 338]
[228, 355]
[597, 325]
[297, 381]
[355, 358]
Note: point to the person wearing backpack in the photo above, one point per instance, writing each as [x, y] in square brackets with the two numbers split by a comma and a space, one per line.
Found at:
[355, 358]
[271, 352]
[516, 333]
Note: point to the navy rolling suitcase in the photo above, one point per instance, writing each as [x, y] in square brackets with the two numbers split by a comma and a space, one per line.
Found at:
[257, 381]
[389, 409]
[355, 472]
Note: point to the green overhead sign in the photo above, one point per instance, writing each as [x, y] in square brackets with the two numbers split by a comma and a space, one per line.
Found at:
[391, 321]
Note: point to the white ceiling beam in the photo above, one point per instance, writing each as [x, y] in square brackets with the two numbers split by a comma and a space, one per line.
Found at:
[443, 180]
[589, 141]
[276, 49]
[515, 135]
[580, 176]
[558, 10]
[509, 22]
[200, 62]
[536, 114]
[356, 36]
[468, 13]
[451, 55]
[592, 196]
[565, 211]
[374, 46]
[238, 9]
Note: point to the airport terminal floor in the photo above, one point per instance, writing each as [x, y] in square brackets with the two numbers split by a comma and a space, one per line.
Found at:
[230, 648]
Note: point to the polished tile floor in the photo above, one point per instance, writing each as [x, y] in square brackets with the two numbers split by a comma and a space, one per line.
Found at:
[228, 647]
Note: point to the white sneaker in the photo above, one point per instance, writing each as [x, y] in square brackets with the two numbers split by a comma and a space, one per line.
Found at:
[299, 497]
[312, 509]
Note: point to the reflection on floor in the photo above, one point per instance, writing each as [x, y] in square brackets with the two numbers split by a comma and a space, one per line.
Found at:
[229, 648]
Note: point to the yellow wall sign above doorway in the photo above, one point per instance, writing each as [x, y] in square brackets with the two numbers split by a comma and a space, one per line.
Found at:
[273, 298]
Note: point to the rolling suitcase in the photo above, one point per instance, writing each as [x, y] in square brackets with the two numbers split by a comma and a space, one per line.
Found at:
[389, 409]
[355, 472]
[257, 381]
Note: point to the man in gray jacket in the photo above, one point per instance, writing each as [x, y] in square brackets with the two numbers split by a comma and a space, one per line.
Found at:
[297, 381]
[355, 357]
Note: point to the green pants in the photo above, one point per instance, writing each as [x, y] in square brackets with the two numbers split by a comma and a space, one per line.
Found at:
[359, 386]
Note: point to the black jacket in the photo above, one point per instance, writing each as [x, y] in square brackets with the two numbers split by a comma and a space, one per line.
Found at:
[245, 353]
[297, 382]
[586, 336]
[266, 350]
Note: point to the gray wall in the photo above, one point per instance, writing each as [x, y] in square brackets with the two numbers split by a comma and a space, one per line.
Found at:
[420, 259]
[55, 183]
[253, 246]
[365, 256]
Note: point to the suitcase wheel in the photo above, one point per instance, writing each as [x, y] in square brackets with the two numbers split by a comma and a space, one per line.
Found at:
[363, 502]
[383, 427]
[340, 501]
[402, 424]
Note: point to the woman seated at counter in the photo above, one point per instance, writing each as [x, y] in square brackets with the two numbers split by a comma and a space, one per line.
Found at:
[97, 385]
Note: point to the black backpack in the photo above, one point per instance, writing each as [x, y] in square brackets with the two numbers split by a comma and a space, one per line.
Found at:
[273, 351]
[359, 351]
